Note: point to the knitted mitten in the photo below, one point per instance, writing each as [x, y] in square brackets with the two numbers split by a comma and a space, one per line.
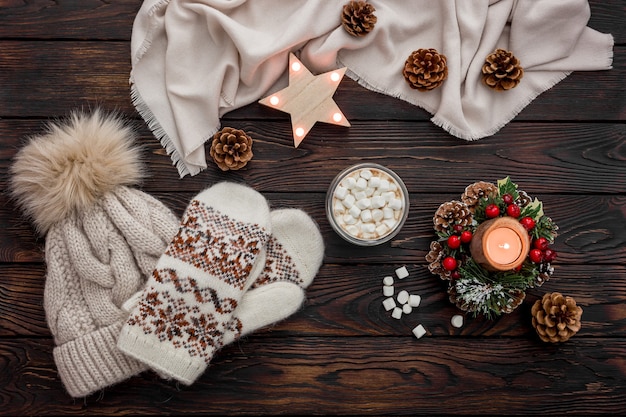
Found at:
[181, 318]
[294, 255]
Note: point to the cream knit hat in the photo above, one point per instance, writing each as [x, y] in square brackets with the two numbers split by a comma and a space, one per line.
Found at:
[103, 239]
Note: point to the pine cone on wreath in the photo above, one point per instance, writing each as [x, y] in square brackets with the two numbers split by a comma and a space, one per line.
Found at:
[358, 18]
[451, 213]
[556, 318]
[475, 192]
[523, 199]
[231, 149]
[425, 69]
[502, 71]
[434, 257]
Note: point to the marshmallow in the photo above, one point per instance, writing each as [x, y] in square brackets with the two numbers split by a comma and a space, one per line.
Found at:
[407, 309]
[387, 290]
[414, 300]
[389, 303]
[395, 204]
[348, 219]
[341, 192]
[349, 183]
[373, 182]
[366, 174]
[377, 215]
[349, 201]
[396, 313]
[355, 211]
[353, 229]
[419, 331]
[364, 203]
[402, 272]
[403, 297]
[366, 216]
[381, 229]
[457, 320]
[361, 184]
[388, 280]
[368, 227]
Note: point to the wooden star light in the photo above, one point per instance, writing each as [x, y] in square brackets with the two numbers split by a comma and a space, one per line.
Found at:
[308, 99]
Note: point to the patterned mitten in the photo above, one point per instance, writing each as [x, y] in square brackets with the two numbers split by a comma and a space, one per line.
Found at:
[294, 255]
[218, 252]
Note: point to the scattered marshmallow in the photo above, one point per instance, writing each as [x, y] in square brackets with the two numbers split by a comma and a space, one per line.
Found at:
[414, 300]
[419, 331]
[388, 280]
[403, 297]
[387, 290]
[389, 303]
[396, 313]
[457, 320]
[407, 309]
[402, 272]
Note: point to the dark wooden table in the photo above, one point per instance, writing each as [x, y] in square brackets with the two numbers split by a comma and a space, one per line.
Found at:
[343, 353]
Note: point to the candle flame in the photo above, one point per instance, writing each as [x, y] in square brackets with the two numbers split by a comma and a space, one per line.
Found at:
[296, 66]
[504, 246]
[334, 76]
[274, 100]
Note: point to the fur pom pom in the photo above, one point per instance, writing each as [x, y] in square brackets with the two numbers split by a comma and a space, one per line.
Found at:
[72, 164]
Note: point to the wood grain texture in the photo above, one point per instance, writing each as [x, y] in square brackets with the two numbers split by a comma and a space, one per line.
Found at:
[342, 353]
[365, 375]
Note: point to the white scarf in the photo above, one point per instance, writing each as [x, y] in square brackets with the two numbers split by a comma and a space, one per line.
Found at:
[195, 60]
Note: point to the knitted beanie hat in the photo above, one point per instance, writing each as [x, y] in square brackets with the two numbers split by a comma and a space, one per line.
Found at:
[103, 239]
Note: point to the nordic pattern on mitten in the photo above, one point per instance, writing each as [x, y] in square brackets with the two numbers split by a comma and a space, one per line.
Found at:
[294, 253]
[180, 305]
[279, 266]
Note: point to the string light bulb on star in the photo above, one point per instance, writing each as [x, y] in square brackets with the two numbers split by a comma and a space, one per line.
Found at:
[308, 99]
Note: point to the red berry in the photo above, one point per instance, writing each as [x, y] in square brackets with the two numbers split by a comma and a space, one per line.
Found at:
[492, 211]
[513, 210]
[457, 228]
[455, 274]
[454, 242]
[541, 243]
[549, 255]
[466, 236]
[449, 263]
[535, 255]
[507, 198]
[519, 267]
[527, 222]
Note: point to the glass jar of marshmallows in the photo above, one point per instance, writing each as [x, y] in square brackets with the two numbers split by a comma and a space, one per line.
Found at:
[367, 204]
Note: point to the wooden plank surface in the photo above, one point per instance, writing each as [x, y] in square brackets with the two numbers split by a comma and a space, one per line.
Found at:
[342, 353]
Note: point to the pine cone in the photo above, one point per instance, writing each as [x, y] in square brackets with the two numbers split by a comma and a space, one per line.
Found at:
[523, 199]
[502, 71]
[425, 69]
[545, 273]
[358, 18]
[556, 318]
[450, 213]
[475, 192]
[231, 149]
[434, 257]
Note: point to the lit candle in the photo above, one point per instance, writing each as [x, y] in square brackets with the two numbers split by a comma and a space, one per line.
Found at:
[500, 244]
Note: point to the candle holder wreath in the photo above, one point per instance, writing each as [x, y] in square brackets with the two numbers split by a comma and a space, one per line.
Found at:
[493, 244]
